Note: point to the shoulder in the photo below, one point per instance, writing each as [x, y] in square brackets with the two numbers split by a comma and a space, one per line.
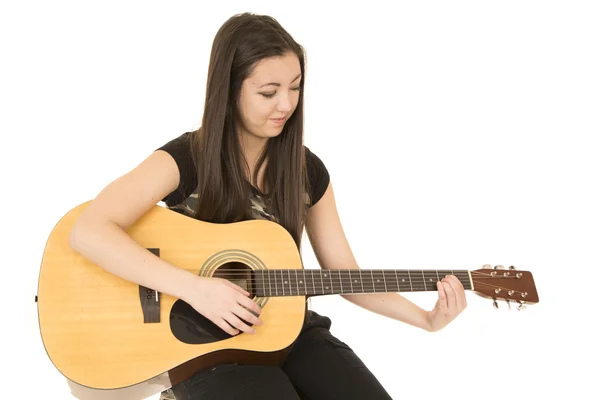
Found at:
[180, 148]
[318, 176]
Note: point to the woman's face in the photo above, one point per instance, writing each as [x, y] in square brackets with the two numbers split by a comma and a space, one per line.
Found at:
[269, 96]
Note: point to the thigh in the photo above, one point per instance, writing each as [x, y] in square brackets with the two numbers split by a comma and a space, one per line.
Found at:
[233, 381]
[323, 367]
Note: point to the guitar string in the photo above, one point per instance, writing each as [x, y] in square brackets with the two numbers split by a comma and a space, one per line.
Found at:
[345, 280]
[499, 287]
[376, 285]
[403, 285]
[367, 292]
[389, 275]
[440, 272]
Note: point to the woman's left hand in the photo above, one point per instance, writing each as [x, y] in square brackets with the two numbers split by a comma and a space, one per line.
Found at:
[451, 302]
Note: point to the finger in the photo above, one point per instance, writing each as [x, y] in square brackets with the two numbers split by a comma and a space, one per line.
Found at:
[237, 287]
[221, 323]
[249, 304]
[238, 324]
[443, 302]
[458, 281]
[247, 316]
[455, 282]
[459, 290]
[449, 294]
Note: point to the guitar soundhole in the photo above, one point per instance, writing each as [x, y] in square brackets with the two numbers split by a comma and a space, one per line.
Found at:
[238, 273]
[190, 326]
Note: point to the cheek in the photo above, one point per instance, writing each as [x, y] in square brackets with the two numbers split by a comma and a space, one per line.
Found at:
[258, 112]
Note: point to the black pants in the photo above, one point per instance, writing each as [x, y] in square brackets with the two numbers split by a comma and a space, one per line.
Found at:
[319, 367]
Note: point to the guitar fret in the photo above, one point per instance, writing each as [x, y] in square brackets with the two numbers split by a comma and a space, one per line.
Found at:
[283, 282]
[430, 281]
[376, 281]
[415, 286]
[388, 280]
[323, 275]
[307, 283]
[331, 281]
[384, 282]
[276, 283]
[321, 278]
[373, 281]
[270, 287]
[287, 282]
[362, 287]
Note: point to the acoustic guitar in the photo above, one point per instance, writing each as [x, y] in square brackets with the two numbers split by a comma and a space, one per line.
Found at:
[103, 332]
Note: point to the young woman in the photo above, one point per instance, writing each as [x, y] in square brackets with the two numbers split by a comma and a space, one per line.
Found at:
[248, 160]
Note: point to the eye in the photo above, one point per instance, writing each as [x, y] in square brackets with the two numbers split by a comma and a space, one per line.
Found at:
[270, 95]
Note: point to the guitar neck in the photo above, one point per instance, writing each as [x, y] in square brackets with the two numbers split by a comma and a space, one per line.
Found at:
[286, 282]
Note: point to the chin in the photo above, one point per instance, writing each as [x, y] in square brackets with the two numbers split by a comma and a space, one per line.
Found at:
[272, 132]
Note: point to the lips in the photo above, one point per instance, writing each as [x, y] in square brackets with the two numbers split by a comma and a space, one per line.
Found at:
[278, 121]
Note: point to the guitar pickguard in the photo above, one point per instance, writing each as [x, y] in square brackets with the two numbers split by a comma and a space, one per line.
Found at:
[191, 327]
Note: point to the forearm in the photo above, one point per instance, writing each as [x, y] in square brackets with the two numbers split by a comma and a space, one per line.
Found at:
[107, 245]
[392, 305]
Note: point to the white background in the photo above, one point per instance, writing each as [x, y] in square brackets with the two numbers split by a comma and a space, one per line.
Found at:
[456, 133]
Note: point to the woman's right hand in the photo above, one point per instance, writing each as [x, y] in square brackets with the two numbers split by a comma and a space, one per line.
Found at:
[225, 304]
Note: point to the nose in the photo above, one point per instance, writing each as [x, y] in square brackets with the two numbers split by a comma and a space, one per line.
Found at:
[284, 104]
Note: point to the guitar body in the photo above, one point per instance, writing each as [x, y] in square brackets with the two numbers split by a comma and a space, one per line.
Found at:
[103, 332]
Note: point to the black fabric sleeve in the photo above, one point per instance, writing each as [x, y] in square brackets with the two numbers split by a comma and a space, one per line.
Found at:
[318, 176]
[180, 149]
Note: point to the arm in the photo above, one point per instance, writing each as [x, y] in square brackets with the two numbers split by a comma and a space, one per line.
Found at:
[332, 250]
[99, 233]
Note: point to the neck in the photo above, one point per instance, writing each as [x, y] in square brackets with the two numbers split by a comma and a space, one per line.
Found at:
[252, 146]
[309, 282]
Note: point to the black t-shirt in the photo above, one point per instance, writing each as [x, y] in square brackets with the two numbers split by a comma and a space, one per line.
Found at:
[183, 198]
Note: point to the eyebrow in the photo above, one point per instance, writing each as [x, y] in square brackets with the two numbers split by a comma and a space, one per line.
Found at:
[279, 84]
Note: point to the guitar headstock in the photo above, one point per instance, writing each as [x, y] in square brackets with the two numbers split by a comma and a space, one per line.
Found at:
[511, 285]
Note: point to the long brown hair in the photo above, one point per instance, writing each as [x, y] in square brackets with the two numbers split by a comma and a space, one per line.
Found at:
[223, 190]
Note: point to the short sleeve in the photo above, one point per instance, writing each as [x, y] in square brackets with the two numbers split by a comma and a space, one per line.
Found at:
[181, 151]
[318, 176]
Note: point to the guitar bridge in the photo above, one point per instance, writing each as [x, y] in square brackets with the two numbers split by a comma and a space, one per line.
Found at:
[150, 299]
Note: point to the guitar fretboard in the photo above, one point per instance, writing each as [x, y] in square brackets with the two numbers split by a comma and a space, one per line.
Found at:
[286, 282]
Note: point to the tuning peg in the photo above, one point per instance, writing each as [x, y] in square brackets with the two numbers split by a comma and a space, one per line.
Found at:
[508, 302]
[521, 305]
[495, 304]
[511, 267]
[487, 266]
[499, 267]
